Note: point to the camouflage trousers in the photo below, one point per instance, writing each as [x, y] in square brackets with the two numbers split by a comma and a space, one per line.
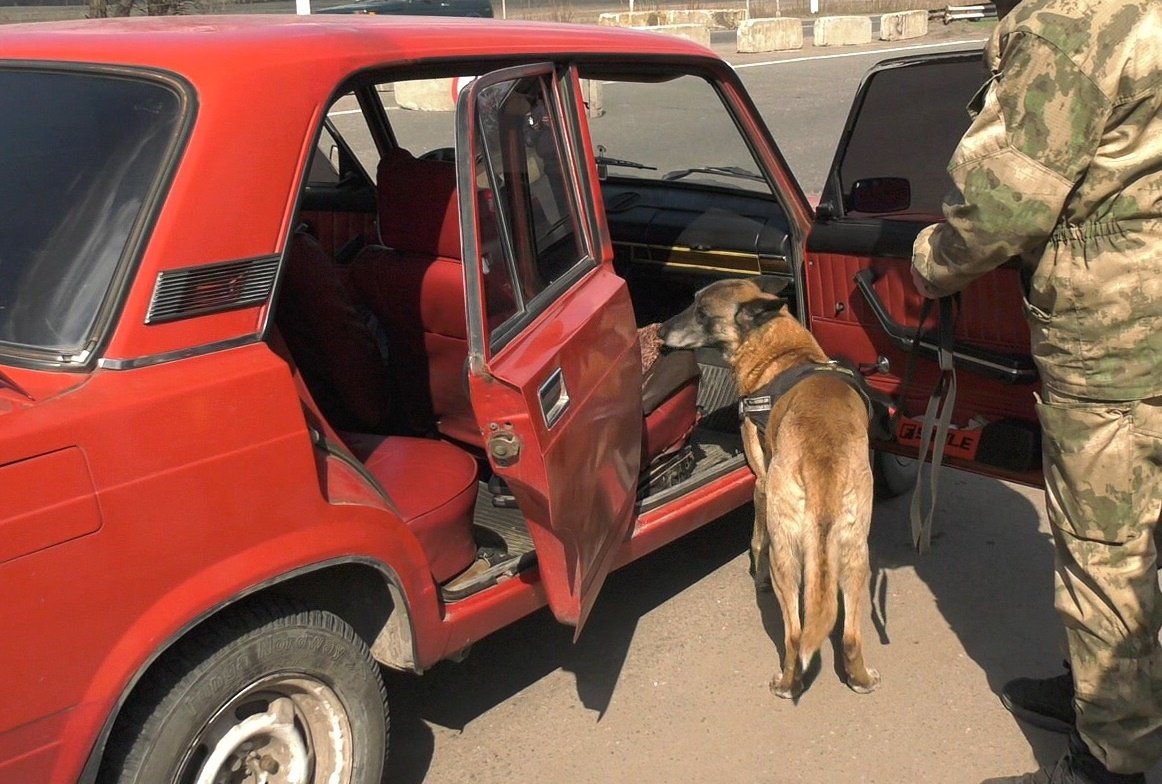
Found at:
[1103, 478]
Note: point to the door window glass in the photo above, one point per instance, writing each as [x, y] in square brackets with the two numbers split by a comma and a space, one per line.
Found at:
[528, 217]
[883, 141]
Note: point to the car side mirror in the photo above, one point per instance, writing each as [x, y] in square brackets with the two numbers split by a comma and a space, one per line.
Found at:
[880, 194]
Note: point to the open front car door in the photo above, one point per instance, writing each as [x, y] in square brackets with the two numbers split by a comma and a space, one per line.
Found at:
[887, 182]
[552, 341]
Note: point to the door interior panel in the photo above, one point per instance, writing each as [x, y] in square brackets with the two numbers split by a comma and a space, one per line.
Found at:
[989, 317]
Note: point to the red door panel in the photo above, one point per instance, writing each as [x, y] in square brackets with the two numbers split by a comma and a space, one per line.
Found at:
[554, 362]
[844, 324]
[576, 481]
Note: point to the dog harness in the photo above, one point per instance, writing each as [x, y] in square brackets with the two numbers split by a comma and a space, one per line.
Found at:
[757, 407]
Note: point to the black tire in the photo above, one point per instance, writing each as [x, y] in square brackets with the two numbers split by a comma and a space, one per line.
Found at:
[894, 474]
[272, 686]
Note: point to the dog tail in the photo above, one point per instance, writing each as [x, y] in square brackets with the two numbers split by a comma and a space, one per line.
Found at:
[820, 592]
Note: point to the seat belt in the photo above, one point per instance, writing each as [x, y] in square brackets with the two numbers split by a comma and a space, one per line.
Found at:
[937, 419]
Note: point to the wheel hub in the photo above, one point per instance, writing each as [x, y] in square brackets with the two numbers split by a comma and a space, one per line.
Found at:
[281, 731]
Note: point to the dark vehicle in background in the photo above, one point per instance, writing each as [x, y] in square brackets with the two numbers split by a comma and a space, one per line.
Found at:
[473, 8]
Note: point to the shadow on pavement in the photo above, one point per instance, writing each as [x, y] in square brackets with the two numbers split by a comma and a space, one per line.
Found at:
[990, 573]
[452, 695]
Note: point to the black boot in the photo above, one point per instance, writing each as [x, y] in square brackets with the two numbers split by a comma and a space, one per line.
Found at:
[1077, 766]
[1043, 702]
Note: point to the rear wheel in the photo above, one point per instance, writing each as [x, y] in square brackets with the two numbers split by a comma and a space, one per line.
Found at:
[274, 693]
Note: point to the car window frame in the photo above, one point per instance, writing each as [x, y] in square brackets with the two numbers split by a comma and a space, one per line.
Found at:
[124, 274]
[484, 343]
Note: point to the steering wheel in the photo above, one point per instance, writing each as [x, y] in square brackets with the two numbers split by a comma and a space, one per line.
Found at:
[440, 154]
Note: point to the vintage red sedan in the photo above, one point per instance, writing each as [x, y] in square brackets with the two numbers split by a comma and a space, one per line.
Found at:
[325, 345]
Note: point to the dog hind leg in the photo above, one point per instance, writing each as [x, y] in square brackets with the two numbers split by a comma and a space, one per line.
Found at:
[856, 571]
[786, 574]
[759, 540]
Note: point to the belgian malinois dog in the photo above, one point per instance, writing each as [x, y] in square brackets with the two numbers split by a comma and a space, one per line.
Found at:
[813, 487]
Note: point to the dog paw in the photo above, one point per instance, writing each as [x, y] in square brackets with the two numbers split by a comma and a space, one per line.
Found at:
[867, 685]
[784, 691]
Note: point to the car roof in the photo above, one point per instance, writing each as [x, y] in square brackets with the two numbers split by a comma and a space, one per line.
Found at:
[315, 47]
[261, 84]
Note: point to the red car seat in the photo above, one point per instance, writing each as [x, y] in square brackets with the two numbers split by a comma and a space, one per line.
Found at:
[340, 377]
[415, 287]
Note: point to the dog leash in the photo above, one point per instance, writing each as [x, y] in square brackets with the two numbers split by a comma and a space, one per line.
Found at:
[937, 417]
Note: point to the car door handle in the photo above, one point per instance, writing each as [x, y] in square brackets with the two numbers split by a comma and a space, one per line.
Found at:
[554, 397]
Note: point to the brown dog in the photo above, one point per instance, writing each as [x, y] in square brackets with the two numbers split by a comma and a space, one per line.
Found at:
[813, 488]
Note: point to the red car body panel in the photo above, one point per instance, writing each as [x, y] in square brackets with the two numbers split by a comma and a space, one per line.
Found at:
[169, 471]
[145, 493]
[582, 488]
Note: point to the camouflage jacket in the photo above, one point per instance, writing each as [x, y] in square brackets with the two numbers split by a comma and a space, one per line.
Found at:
[1062, 166]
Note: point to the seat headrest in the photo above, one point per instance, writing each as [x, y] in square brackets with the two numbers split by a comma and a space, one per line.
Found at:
[417, 205]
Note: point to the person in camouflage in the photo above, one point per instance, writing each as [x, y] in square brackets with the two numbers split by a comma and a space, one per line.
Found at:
[1062, 167]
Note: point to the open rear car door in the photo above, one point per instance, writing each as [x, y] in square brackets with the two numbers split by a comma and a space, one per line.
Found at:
[887, 182]
[553, 347]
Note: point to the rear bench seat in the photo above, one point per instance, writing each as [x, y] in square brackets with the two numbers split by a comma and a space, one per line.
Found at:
[415, 288]
[341, 379]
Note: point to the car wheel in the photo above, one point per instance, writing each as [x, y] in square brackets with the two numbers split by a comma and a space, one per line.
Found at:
[274, 692]
[894, 474]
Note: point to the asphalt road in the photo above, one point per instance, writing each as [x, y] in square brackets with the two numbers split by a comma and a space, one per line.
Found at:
[668, 682]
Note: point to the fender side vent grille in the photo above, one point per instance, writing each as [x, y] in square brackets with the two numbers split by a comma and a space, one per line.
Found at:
[212, 288]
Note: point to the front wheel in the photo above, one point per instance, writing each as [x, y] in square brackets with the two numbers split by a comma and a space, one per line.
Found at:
[274, 693]
[894, 474]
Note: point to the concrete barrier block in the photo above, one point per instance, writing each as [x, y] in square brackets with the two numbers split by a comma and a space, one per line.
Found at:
[715, 18]
[777, 34]
[903, 25]
[682, 16]
[430, 95]
[842, 30]
[634, 19]
[699, 34]
[727, 18]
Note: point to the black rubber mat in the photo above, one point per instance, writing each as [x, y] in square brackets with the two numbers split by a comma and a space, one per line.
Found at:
[508, 524]
[718, 398]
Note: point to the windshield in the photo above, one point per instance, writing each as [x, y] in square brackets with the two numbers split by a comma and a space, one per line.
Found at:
[79, 155]
[629, 124]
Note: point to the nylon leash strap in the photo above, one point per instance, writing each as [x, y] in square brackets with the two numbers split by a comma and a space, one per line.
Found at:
[937, 419]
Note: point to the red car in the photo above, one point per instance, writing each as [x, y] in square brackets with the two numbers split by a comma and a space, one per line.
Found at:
[325, 344]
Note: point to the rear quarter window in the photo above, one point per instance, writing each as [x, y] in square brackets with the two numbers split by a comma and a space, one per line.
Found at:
[80, 156]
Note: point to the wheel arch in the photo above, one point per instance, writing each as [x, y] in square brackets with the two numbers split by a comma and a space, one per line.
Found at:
[366, 594]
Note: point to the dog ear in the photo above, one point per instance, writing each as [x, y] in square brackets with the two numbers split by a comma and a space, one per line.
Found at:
[769, 284]
[758, 311]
